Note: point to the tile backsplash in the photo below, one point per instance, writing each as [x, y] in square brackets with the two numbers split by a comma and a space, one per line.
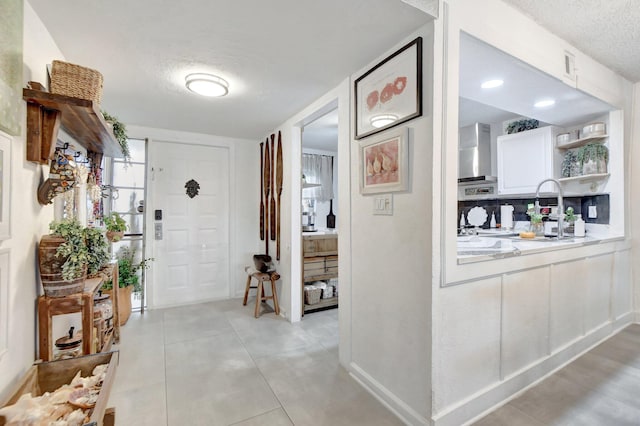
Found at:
[580, 206]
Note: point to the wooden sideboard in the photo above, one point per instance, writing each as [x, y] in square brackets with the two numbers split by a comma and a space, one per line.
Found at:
[319, 263]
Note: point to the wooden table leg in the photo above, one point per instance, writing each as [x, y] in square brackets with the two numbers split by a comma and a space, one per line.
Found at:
[246, 290]
[259, 297]
[274, 294]
[44, 319]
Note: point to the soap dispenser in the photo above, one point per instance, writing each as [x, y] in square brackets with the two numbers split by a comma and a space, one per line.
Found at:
[492, 224]
[463, 223]
[578, 227]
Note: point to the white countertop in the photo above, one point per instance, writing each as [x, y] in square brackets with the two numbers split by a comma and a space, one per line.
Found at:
[321, 231]
[485, 246]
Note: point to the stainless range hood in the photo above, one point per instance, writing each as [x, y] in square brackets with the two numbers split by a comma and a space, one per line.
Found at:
[474, 155]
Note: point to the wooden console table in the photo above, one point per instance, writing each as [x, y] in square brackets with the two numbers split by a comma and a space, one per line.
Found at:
[48, 307]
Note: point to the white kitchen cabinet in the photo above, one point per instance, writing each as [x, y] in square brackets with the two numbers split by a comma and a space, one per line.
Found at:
[525, 159]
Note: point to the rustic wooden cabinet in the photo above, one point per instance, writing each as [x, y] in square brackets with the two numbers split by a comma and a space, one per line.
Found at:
[48, 307]
[320, 263]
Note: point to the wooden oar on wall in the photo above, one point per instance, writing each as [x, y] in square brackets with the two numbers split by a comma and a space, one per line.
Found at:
[279, 171]
[266, 177]
[272, 201]
[261, 190]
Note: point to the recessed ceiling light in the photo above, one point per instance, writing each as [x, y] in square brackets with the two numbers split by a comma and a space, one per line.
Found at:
[490, 84]
[382, 120]
[207, 84]
[544, 103]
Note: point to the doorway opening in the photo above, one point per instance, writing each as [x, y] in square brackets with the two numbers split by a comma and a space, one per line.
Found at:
[319, 213]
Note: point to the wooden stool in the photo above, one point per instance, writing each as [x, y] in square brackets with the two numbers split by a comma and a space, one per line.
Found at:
[261, 277]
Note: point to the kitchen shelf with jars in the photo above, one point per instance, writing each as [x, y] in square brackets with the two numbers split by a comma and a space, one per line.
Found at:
[585, 155]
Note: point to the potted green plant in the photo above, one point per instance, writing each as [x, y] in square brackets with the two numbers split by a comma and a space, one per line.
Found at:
[67, 254]
[535, 220]
[128, 280]
[62, 257]
[97, 247]
[570, 218]
[120, 132]
[593, 158]
[116, 226]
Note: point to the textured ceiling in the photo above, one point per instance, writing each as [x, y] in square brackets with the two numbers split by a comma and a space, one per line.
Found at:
[606, 30]
[278, 55]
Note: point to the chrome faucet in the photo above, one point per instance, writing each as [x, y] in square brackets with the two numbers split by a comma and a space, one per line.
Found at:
[560, 204]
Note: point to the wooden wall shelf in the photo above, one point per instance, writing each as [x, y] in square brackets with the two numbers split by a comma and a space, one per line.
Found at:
[80, 118]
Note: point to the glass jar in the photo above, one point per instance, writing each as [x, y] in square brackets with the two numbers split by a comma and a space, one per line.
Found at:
[537, 228]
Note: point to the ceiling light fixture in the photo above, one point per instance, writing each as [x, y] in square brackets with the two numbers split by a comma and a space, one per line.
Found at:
[491, 84]
[382, 120]
[544, 103]
[207, 84]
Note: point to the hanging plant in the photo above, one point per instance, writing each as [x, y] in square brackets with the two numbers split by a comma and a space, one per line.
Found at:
[120, 132]
[522, 125]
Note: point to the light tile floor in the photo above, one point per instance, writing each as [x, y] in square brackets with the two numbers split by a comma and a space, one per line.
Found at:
[601, 388]
[215, 364]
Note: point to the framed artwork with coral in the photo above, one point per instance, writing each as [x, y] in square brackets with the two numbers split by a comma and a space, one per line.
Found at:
[384, 162]
[390, 93]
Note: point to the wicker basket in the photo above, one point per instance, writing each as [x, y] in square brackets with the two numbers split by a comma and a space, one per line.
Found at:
[76, 81]
[312, 295]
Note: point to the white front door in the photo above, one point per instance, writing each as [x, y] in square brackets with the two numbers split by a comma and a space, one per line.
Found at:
[192, 253]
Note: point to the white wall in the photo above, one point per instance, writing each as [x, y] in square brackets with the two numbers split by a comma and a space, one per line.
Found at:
[29, 220]
[634, 201]
[244, 195]
[391, 270]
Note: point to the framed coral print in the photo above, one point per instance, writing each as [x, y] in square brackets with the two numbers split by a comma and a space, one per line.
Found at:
[5, 186]
[391, 92]
[384, 162]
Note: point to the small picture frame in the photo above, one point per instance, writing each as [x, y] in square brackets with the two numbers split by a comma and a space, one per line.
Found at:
[5, 186]
[390, 93]
[384, 162]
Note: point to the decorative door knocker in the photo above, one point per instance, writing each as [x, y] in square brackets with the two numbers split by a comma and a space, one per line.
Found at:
[192, 188]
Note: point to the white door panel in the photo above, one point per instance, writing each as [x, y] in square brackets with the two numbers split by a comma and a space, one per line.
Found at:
[192, 259]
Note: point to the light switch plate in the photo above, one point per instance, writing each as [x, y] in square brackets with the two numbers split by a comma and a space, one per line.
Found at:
[593, 212]
[383, 204]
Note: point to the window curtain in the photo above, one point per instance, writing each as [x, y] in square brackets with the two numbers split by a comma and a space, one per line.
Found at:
[318, 169]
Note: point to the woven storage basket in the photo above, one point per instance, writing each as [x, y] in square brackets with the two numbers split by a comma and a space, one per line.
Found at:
[76, 81]
[312, 295]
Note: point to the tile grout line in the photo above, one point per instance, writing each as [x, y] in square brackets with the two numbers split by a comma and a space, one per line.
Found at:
[263, 377]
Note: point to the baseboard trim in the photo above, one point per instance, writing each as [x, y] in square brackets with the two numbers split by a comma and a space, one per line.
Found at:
[482, 403]
[405, 413]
